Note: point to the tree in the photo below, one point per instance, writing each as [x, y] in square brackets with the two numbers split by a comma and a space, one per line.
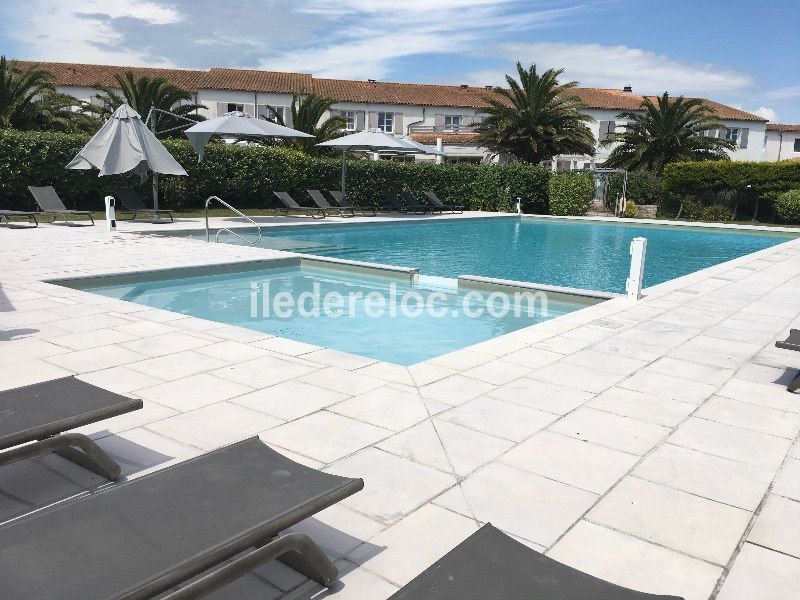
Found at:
[668, 130]
[536, 118]
[29, 101]
[144, 93]
[307, 113]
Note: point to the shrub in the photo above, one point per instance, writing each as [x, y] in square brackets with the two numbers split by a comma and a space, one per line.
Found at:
[246, 176]
[630, 209]
[787, 206]
[644, 186]
[767, 178]
[570, 193]
[695, 210]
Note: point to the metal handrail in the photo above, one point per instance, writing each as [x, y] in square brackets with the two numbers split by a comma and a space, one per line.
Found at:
[233, 233]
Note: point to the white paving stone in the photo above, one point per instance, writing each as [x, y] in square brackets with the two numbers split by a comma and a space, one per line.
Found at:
[788, 482]
[761, 574]
[751, 416]
[499, 418]
[548, 397]
[289, 400]
[690, 524]
[613, 431]
[639, 405]
[385, 407]
[777, 526]
[634, 563]
[193, 391]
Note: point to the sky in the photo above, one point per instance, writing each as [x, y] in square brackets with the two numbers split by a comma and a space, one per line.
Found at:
[739, 52]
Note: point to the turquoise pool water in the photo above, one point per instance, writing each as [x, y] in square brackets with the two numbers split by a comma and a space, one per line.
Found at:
[445, 322]
[579, 254]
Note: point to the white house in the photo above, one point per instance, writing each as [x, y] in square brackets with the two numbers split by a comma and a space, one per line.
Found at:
[782, 142]
[442, 115]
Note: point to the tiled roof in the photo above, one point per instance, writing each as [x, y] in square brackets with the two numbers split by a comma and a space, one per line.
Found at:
[782, 127]
[252, 80]
[343, 90]
[417, 94]
[80, 75]
[447, 138]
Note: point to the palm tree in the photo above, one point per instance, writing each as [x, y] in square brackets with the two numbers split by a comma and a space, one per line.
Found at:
[144, 93]
[536, 118]
[668, 130]
[307, 113]
[29, 101]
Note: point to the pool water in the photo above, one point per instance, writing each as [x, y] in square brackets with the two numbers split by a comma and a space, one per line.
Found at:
[405, 338]
[580, 254]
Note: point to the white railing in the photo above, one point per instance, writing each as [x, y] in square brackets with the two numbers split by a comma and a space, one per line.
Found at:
[209, 200]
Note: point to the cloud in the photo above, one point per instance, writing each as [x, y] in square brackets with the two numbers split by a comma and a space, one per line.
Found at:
[766, 112]
[791, 92]
[370, 36]
[594, 65]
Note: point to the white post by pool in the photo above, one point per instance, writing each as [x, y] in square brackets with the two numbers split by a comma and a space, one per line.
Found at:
[519, 206]
[111, 218]
[634, 284]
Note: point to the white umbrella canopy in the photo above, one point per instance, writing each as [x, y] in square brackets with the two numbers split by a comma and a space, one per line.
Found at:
[236, 124]
[124, 144]
[375, 140]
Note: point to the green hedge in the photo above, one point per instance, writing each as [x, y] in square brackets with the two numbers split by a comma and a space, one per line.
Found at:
[768, 179]
[570, 193]
[787, 206]
[247, 175]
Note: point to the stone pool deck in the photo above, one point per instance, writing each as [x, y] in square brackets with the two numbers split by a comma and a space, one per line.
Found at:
[652, 444]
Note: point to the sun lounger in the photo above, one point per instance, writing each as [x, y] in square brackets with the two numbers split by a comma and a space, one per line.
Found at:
[434, 201]
[33, 420]
[290, 204]
[222, 510]
[791, 343]
[411, 203]
[490, 564]
[5, 216]
[342, 201]
[320, 200]
[414, 204]
[132, 203]
[51, 204]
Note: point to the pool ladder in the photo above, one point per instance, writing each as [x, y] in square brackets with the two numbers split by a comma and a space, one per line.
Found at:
[209, 200]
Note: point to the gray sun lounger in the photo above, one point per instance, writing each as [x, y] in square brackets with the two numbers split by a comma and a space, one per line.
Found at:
[290, 204]
[397, 206]
[48, 200]
[33, 420]
[342, 201]
[434, 201]
[223, 510]
[414, 204]
[326, 207]
[5, 216]
[132, 203]
[491, 565]
[791, 343]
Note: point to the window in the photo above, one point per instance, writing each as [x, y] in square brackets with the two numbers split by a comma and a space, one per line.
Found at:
[732, 134]
[797, 145]
[234, 107]
[452, 122]
[350, 117]
[386, 122]
[606, 130]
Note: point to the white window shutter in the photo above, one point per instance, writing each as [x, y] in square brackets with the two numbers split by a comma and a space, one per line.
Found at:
[397, 125]
[249, 109]
[372, 120]
[438, 121]
[360, 119]
[743, 133]
[287, 116]
[603, 131]
[222, 108]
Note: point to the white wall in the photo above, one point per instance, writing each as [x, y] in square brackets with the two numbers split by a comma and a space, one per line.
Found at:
[779, 145]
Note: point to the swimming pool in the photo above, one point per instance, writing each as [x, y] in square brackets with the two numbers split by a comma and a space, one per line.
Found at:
[572, 253]
[438, 317]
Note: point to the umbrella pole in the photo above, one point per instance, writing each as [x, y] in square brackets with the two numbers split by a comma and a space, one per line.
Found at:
[155, 191]
[344, 173]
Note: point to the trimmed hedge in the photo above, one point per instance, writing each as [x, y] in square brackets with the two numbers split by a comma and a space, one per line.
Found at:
[787, 205]
[247, 175]
[768, 179]
[570, 193]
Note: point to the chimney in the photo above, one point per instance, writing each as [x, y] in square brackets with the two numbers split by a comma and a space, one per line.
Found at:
[627, 89]
[489, 87]
[372, 80]
[464, 86]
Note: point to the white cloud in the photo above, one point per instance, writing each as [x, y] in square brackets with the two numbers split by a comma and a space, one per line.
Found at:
[369, 36]
[766, 112]
[594, 65]
[791, 92]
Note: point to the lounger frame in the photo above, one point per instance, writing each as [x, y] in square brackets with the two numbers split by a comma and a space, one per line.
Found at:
[791, 343]
[5, 217]
[80, 449]
[341, 200]
[132, 204]
[46, 194]
[290, 204]
[433, 200]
